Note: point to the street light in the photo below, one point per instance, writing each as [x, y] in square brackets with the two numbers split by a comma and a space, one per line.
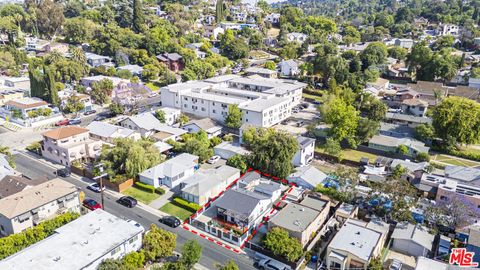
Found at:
[101, 176]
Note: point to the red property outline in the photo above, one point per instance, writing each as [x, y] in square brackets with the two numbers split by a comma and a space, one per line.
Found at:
[266, 175]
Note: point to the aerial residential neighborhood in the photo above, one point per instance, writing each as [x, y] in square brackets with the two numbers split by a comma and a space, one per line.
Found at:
[271, 135]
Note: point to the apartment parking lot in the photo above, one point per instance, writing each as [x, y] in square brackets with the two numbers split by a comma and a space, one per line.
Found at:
[298, 122]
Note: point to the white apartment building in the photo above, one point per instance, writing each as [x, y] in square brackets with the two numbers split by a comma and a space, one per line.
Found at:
[264, 102]
[81, 244]
[33, 205]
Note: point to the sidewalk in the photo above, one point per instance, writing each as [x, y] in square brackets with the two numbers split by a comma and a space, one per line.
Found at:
[165, 198]
[213, 239]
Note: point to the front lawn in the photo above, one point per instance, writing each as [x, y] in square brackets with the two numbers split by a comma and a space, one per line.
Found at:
[140, 195]
[176, 211]
[155, 86]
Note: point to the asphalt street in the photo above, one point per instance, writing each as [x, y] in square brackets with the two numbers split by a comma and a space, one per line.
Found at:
[32, 167]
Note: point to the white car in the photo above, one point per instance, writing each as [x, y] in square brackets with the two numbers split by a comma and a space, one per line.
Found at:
[213, 160]
[95, 187]
[153, 94]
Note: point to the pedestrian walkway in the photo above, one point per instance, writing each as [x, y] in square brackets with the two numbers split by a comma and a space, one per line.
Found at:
[165, 198]
[11, 126]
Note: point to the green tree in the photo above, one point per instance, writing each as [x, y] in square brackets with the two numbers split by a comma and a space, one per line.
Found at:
[219, 11]
[271, 151]
[134, 259]
[198, 148]
[138, 16]
[366, 129]
[402, 149]
[343, 119]
[141, 156]
[420, 157]
[375, 54]
[398, 52]
[116, 108]
[47, 16]
[424, 132]
[182, 119]
[238, 161]
[214, 141]
[5, 150]
[270, 65]
[101, 91]
[373, 108]
[191, 253]
[160, 115]
[351, 35]
[150, 72]
[78, 30]
[7, 63]
[442, 42]
[333, 148]
[230, 265]
[457, 119]
[74, 104]
[398, 171]
[158, 243]
[234, 117]
[280, 243]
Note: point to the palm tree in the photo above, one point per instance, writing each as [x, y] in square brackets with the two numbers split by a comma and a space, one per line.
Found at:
[78, 55]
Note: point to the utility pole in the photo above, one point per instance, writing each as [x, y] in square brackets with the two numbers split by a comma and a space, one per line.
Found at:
[101, 176]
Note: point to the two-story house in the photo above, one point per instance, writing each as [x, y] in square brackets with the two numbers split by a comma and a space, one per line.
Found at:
[305, 153]
[64, 145]
[33, 205]
[173, 61]
[416, 107]
[171, 172]
[242, 207]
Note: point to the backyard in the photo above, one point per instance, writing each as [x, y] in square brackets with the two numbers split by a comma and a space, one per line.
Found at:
[351, 154]
[444, 160]
[176, 211]
[140, 195]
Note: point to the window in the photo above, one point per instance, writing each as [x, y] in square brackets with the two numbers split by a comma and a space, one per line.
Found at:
[133, 239]
[115, 251]
[443, 198]
[213, 111]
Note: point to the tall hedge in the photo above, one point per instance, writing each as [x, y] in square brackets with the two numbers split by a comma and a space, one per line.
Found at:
[14, 243]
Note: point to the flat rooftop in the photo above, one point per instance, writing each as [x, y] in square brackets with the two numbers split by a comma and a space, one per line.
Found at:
[295, 217]
[75, 245]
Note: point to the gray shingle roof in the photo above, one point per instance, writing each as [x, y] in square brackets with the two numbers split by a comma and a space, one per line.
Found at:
[241, 201]
[415, 233]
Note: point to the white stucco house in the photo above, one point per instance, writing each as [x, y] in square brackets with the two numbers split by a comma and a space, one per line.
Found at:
[171, 172]
[305, 152]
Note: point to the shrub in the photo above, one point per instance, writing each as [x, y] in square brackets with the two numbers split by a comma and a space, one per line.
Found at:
[186, 204]
[16, 242]
[160, 190]
[423, 157]
[34, 147]
[145, 187]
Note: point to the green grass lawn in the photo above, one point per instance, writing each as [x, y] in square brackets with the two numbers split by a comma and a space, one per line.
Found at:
[317, 98]
[352, 154]
[140, 195]
[455, 161]
[155, 86]
[176, 211]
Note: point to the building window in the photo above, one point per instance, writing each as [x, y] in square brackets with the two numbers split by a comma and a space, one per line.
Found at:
[115, 251]
[133, 239]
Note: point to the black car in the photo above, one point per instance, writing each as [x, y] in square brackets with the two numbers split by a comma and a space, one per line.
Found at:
[63, 172]
[100, 118]
[127, 201]
[89, 112]
[170, 221]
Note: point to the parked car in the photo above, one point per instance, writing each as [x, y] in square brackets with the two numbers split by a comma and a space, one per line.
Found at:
[63, 172]
[91, 204]
[295, 110]
[304, 105]
[75, 121]
[63, 122]
[95, 187]
[89, 112]
[153, 94]
[213, 160]
[269, 264]
[170, 221]
[317, 102]
[127, 201]
[284, 122]
[301, 123]
[395, 265]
